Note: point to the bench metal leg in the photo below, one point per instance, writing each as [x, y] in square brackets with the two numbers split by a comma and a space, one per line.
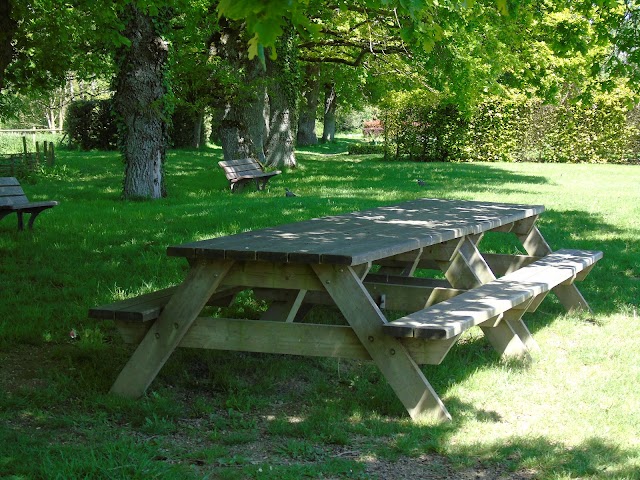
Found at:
[391, 357]
[569, 295]
[167, 332]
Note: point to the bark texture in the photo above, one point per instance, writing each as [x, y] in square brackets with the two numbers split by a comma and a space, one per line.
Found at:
[282, 88]
[242, 118]
[140, 100]
[309, 106]
[330, 103]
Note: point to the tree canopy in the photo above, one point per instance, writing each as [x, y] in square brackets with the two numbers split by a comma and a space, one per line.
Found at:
[357, 50]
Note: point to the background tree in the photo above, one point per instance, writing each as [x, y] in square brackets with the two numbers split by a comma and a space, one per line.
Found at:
[283, 86]
[141, 100]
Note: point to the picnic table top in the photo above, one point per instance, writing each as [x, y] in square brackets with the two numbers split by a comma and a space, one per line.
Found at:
[364, 236]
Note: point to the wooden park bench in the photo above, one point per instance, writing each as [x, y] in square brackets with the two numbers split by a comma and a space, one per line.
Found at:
[13, 199]
[243, 171]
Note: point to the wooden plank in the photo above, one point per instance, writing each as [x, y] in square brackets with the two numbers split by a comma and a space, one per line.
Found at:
[501, 264]
[408, 281]
[468, 268]
[405, 268]
[367, 236]
[454, 316]
[525, 225]
[167, 332]
[278, 337]
[397, 297]
[391, 357]
[148, 306]
[141, 308]
[514, 318]
[409, 298]
[12, 191]
[569, 295]
[273, 275]
[505, 341]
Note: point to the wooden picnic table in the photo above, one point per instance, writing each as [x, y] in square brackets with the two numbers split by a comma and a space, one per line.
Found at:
[330, 260]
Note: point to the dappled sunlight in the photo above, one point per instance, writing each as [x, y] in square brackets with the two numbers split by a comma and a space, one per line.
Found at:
[569, 413]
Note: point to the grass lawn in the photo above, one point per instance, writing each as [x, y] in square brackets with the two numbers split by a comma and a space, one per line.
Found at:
[572, 413]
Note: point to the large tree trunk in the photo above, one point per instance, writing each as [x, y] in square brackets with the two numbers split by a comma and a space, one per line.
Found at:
[282, 87]
[330, 102]
[280, 147]
[309, 106]
[8, 28]
[242, 121]
[140, 97]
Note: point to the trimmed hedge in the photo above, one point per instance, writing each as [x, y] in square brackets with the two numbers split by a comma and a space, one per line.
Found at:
[365, 148]
[515, 128]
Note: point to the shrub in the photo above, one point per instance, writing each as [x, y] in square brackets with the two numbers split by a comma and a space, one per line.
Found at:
[365, 148]
[420, 126]
[90, 124]
[513, 128]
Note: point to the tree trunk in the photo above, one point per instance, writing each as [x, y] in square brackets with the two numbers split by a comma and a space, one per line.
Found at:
[8, 28]
[233, 134]
[282, 87]
[243, 119]
[140, 100]
[329, 128]
[197, 134]
[309, 106]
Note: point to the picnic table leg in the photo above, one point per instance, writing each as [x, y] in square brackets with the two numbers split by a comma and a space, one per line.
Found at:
[167, 332]
[569, 295]
[391, 357]
[288, 309]
[469, 270]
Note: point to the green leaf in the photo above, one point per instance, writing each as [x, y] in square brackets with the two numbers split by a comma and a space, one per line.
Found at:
[502, 7]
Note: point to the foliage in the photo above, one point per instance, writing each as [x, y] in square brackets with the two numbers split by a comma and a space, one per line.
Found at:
[419, 126]
[91, 125]
[13, 143]
[514, 128]
[365, 148]
[520, 129]
[182, 128]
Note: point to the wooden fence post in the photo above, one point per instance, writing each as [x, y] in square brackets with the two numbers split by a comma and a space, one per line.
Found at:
[38, 158]
[52, 155]
[24, 145]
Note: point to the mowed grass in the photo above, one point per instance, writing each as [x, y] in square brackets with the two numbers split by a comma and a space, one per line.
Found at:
[574, 412]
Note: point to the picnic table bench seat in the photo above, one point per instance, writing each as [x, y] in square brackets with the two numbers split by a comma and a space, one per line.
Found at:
[239, 172]
[13, 199]
[149, 306]
[450, 318]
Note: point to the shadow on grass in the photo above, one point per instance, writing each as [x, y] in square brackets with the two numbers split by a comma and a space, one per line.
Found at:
[94, 248]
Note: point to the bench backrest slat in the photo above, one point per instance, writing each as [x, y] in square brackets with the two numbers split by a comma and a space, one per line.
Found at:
[242, 167]
[11, 192]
